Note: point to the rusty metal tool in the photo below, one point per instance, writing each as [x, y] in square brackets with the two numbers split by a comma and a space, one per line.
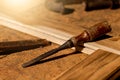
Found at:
[14, 45]
[87, 35]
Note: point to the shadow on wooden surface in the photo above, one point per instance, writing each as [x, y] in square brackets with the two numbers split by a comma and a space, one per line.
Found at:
[103, 38]
[54, 58]
[68, 11]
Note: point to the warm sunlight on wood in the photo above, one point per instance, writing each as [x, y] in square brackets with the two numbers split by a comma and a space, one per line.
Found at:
[17, 2]
[14, 6]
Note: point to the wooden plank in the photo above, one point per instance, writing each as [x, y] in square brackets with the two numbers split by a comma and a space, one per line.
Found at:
[37, 14]
[73, 24]
[64, 26]
[98, 66]
[54, 35]
[10, 62]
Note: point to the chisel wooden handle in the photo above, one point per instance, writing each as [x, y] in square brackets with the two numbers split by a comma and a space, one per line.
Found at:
[92, 33]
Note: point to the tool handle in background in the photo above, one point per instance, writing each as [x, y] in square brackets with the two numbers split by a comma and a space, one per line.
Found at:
[101, 4]
[116, 4]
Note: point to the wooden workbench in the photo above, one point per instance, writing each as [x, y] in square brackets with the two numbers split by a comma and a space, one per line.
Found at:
[73, 23]
[10, 64]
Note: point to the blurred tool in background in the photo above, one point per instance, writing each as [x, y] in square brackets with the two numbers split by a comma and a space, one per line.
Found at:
[101, 4]
[59, 5]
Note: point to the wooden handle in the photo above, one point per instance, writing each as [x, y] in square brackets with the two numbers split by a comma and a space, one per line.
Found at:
[98, 30]
[92, 33]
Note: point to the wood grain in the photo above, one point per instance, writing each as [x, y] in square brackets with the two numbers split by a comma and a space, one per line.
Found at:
[53, 35]
[37, 15]
[74, 23]
[98, 66]
[10, 62]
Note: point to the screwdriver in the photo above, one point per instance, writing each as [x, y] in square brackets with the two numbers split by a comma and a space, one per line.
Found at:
[87, 35]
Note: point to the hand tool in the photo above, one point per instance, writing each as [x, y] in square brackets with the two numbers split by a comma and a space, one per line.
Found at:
[14, 45]
[87, 35]
[59, 5]
[101, 4]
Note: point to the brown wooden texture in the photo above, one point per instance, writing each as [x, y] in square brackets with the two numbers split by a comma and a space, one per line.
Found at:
[36, 15]
[10, 62]
[98, 66]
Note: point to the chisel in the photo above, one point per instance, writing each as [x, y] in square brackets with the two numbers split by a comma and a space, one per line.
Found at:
[87, 35]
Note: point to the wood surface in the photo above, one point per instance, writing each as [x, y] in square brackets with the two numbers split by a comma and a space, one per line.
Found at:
[51, 34]
[98, 66]
[37, 15]
[10, 62]
[74, 23]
